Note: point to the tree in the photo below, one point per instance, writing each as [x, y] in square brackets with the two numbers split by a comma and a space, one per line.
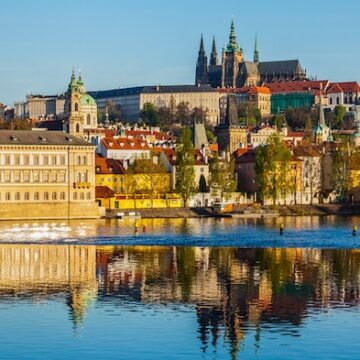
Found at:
[339, 112]
[273, 169]
[278, 121]
[222, 177]
[183, 114]
[211, 136]
[149, 114]
[248, 113]
[198, 114]
[202, 184]
[341, 171]
[151, 174]
[185, 173]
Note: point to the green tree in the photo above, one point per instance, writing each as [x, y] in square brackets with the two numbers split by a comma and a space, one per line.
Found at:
[248, 113]
[185, 173]
[150, 172]
[273, 169]
[183, 114]
[199, 114]
[202, 184]
[150, 115]
[341, 171]
[278, 121]
[339, 112]
[211, 136]
[222, 177]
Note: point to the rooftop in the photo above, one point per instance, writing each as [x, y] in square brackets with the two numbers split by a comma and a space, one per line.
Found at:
[39, 137]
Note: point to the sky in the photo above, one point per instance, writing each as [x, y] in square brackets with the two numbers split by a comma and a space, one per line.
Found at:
[121, 43]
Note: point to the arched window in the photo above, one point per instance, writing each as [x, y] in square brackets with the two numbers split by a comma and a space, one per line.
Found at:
[88, 195]
[75, 196]
[27, 196]
[46, 196]
[8, 196]
[77, 128]
[76, 107]
[54, 196]
[62, 195]
[82, 196]
[88, 119]
[36, 196]
[17, 196]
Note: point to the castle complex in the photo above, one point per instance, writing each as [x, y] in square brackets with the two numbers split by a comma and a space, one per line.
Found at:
[234, 71]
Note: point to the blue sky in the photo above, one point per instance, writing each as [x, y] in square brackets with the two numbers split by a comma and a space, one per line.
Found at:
[119, 43]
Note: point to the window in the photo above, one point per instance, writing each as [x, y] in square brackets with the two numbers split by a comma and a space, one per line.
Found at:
[36, 177]
[62, 160]
[62, 177]
[82, 196]
[17, 196]
[7, 177]
[45, 177]
[45, 160]
[76, 108]
[53, 177]
[337, 101]
[62, 195]
[17, 159]
[79, 160]
[36, 159]
[27, 196]
[54, 196]
[75, 196]
[77, 129]
[26, 159]
[53, 160]
[8, 196]
[7, 159]
[26, 177]
[17, 177]
[84, 160]
[88, 121]
[36, 196]
[88, 195]
[46, 196]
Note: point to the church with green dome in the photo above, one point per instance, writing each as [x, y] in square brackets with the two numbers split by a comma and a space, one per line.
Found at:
[80, 108]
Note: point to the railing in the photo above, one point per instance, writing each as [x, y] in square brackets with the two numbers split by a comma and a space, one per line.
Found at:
[82, 185]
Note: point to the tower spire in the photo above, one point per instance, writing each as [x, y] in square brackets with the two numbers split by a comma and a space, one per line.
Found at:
[214, 56]
[201, 74]
[233, 45]
[256, 50]
[202, 48]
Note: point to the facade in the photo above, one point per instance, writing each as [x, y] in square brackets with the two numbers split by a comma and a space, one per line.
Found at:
[346, 94]
[40, 107]
[124, 148]
[46, 175]
[322, 132]
[234, 71]
[132, 100]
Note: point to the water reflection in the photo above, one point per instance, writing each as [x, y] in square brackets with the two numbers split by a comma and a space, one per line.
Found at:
[232, 291]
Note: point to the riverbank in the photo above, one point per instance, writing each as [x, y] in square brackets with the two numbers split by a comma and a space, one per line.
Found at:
[250, 211]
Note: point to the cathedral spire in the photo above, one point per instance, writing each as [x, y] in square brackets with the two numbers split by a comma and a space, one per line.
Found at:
[201, 75]
[202, 48]
[214, 55]
[256, 50]
[233, 45]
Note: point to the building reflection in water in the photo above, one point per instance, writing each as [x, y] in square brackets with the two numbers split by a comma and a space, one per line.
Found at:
[233, 291]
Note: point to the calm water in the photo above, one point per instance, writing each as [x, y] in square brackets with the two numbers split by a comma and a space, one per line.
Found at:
[228, 289]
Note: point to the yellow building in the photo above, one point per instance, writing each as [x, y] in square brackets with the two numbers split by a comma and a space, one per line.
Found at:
[132, 189]
[46, 175]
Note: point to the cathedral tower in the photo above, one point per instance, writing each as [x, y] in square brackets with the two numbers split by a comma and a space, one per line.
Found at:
[202, 74]
[214, 61]
[233, 57]
[256, 51]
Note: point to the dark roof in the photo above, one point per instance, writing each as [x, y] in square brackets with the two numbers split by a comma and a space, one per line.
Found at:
[250, 68]
[151, 90]
[39, 137]
[280, 67]
[52, 125]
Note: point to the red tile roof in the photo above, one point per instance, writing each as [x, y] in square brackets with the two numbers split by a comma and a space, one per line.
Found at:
[123, 143]
[108, 166]
[297, 86]
[347, 86]
[247, 89]
[146, 133]
[103, 192]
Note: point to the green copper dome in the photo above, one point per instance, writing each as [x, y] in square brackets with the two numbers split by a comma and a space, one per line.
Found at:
[87, 100]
